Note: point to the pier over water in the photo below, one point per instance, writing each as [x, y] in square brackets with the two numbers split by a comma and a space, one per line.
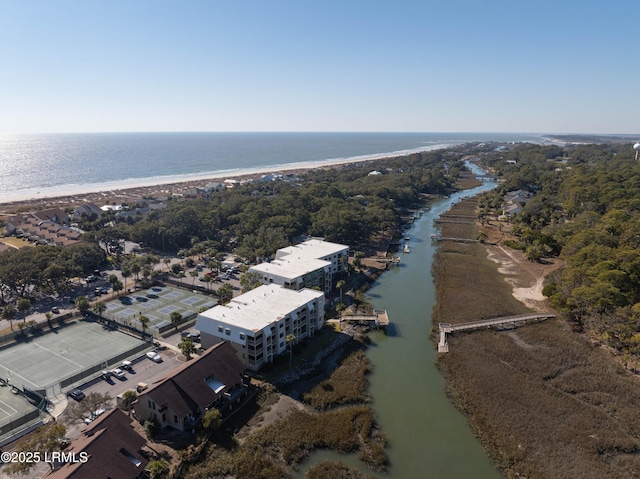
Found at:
[447, 328]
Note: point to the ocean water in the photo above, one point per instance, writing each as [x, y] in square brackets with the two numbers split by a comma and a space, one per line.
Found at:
[42, 165]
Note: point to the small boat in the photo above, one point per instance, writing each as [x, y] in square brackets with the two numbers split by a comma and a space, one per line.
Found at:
[406, 238]
[406, 249]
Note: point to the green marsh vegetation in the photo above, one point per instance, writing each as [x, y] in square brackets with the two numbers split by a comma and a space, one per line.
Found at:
[275, 448]
[554, 399]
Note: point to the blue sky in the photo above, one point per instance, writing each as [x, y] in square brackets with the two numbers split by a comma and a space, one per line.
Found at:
[324, 65]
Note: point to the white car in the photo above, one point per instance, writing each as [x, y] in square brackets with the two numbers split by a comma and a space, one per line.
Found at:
[117, 373]
[94, 415]
[155, 357]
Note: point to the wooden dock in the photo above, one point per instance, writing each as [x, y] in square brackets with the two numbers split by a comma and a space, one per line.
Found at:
[447, 328]
[379, 318]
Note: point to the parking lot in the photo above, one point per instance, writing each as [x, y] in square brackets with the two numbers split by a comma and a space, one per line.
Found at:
[144, 371]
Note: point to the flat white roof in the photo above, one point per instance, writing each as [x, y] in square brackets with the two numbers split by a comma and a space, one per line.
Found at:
[256, 309]
[312, 248]
[290, 266]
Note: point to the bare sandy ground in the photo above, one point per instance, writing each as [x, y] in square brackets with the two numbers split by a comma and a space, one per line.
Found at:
[525, 277]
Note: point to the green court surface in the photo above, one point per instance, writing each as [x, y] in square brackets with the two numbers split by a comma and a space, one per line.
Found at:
[157, 304]
[61, 353]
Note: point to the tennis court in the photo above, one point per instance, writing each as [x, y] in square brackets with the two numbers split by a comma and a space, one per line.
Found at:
[157, 304]
[15, 412]
[67, 351]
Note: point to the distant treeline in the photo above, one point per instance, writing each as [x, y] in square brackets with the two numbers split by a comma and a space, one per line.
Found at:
[344, 204]
[584, 209]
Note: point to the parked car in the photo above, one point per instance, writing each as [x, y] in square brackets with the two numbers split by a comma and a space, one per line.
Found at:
[127, 365]
[55, 310]
[94, 415]
[155, 357]
[76, 394]
[117, 373]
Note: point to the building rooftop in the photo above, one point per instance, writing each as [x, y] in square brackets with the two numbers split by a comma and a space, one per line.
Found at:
[313, 248]
[256, 309]
[186, 388]
[290, 266]
[112, 446]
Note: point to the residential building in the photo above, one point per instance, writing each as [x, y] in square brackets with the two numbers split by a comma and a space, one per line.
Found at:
[257, 323]
[296, 273]
[312, 263]
[108, 447]
[87, 209]
[514, 202]
[215, 379]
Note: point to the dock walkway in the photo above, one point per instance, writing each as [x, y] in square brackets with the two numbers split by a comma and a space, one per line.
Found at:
[379, 318]
[447, 328]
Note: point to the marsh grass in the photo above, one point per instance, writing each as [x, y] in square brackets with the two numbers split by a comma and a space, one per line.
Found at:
[543, 401]
[347, 385]
[277, 448]
[334, 470]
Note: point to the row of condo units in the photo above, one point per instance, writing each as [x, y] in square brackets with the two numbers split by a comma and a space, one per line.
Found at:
[289, 306]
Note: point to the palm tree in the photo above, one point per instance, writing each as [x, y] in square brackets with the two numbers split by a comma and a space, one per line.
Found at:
[82, 304]
[125, 273]
[128, 398]
[187, 347]
[225, 293]
[144, 322]
[290, 339]
[135, 269]
[9, 313]
[176, 318]
[99, 308]
[340, 285]
[194, 275]
[23, 306]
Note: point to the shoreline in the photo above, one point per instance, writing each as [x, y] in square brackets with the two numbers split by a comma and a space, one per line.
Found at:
[36, 195]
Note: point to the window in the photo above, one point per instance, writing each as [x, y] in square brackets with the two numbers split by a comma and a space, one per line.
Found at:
[175, 419]
[242, 336]
[219, 329]
[282, 335]
[227, 332]
[164, 416]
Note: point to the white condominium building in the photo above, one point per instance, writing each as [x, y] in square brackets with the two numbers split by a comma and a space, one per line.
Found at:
[296, 273]
[313, 263]
[257, 323]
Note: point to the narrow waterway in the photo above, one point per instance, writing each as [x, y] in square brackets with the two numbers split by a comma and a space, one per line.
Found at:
[428, 437]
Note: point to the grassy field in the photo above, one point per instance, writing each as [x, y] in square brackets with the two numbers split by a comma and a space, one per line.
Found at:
[15, 242]
[543, 401]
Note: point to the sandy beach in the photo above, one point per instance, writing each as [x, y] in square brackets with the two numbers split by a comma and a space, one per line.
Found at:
[122, 191]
